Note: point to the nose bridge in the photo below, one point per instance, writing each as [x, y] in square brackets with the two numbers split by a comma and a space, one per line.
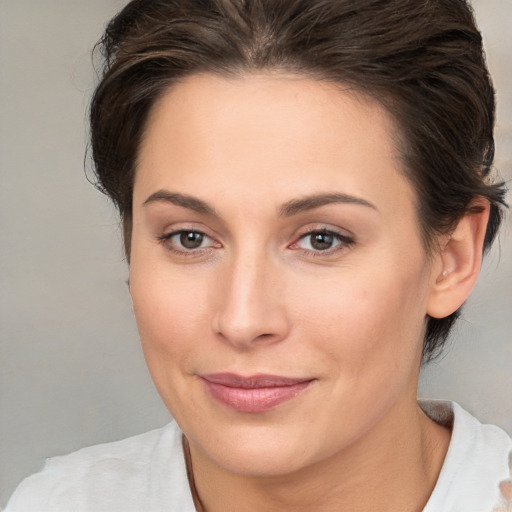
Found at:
[248, 308]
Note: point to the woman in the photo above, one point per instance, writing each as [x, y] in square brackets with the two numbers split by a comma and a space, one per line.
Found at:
[305, 194]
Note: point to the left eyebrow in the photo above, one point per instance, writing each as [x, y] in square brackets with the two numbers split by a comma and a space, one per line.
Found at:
[296, 206]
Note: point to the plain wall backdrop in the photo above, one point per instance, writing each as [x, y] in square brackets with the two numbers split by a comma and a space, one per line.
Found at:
[71, 370]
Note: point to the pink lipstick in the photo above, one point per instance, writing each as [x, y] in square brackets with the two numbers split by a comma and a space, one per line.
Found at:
[257, 393]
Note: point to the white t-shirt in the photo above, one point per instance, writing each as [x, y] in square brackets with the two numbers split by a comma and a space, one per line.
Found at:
[148, 473]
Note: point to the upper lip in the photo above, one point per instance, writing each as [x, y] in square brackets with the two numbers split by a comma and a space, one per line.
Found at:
[233, 380]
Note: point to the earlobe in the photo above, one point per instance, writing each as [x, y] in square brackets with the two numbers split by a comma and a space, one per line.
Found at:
[460, 261]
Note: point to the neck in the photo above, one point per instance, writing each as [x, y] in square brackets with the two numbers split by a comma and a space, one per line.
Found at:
[393, 467]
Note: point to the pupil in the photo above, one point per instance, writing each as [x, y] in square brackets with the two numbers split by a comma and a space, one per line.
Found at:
[322, 241]
[191, 240]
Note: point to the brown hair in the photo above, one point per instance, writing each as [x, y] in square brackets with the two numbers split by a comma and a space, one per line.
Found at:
[422, 59]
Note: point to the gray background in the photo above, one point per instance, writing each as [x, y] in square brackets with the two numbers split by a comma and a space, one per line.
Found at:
[71, 370]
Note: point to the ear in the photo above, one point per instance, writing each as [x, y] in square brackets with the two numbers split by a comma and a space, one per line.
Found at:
[460, 259]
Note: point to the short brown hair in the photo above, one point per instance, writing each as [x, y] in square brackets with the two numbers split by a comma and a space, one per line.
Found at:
[422, 59]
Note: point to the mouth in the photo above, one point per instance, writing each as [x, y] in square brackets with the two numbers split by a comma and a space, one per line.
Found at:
[256, 393]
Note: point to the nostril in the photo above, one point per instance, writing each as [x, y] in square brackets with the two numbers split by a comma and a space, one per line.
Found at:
[265, 338]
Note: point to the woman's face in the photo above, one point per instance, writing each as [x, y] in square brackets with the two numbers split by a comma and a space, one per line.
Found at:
[278, 276]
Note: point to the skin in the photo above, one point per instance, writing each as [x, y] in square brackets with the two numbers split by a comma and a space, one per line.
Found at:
[257, 296]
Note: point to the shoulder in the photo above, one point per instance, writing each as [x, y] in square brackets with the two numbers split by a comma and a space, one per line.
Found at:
[120, 476]
[476, 474]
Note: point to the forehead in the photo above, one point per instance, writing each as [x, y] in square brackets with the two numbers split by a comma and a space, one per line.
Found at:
[268, 137]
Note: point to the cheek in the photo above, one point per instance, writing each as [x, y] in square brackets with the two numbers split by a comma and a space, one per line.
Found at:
[171, 315]
[367, 316]
[171, 326]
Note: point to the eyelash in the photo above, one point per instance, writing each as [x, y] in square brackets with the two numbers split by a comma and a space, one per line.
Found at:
[344, 242]
[166, 241]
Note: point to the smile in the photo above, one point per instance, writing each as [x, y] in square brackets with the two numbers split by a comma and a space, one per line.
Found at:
[254, 394]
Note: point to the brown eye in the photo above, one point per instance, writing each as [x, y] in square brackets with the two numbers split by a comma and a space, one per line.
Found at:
[325, 241]
[185, 241]
[321, 241]
[191, 239]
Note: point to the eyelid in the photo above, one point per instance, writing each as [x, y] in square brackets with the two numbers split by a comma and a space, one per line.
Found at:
[166, 241]
[324, 228]
[168, 230]
[345, 240]
[172, 234]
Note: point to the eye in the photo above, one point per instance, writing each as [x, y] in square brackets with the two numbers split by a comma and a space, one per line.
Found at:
[190, 239]
[323, 241]
[185, 240]
[319, 241]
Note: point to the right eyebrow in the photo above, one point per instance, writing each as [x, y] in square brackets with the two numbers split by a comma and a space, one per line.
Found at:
[183, 200]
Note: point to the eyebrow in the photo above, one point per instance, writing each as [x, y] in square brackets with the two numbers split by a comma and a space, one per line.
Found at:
[183, 200]
[296, 206]
[290, 208]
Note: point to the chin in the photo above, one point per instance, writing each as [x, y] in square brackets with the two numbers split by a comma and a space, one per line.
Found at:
[261, 463]
[261, 451]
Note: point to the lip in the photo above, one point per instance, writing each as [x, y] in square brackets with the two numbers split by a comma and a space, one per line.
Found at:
[255, 393]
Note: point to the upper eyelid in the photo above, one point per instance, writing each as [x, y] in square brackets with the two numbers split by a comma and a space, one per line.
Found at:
[187, 227]
[335, 234]
[332, 231]
[344, 241]
[322, 228]
[175, 232]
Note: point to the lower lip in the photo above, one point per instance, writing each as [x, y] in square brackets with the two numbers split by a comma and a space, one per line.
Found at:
[254, 399]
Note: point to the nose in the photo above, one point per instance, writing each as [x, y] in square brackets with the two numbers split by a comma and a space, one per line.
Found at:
[249, 307]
